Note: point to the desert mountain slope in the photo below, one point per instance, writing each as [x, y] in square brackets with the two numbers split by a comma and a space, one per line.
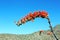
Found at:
[33, 36]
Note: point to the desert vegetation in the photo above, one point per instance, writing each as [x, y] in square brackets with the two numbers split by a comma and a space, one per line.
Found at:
[30, 16]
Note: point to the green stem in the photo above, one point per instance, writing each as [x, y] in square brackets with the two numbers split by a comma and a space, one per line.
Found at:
[51, 28]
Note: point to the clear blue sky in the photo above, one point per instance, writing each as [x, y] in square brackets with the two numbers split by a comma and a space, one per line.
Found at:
[11, 10]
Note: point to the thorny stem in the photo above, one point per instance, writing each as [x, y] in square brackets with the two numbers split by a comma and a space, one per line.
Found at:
[51, 28]
[39, 33]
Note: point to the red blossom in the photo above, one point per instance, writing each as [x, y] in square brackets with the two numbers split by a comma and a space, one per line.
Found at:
[39, 14]
[35, 14]
[31, 15]
[41, 30]
[49, 33]
[44, 14]
[26, 17]
[23, 20]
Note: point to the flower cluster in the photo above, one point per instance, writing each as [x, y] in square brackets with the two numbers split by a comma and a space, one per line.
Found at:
[32, 16]
[49, 33]
[41, 31]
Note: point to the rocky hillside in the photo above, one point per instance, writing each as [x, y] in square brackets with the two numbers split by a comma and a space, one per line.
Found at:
[33, 36]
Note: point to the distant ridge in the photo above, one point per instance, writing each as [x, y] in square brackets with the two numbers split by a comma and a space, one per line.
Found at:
[33, 36]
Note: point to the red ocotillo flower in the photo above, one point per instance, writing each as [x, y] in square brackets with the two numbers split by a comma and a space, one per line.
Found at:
[29, 17]
[23, 20]
[44, 14]
[39, 14]
[41, 31]
[49, 33]
[32, 16]
[35, 14]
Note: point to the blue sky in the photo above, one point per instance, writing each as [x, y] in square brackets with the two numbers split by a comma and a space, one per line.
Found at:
[11, 10]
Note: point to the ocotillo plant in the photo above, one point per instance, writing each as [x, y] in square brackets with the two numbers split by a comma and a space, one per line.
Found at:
[30, 16]
[41, 31]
